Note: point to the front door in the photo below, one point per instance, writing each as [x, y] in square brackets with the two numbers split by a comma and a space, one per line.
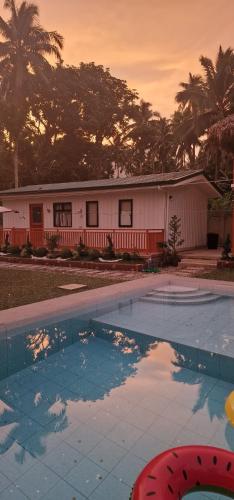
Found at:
[36, 224]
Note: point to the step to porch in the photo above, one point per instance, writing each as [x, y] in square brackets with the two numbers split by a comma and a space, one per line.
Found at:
[176, 296]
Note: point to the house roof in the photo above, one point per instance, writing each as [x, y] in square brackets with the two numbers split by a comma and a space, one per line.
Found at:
[167, 179]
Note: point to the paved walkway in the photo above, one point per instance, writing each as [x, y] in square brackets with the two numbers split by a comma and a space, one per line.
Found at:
[121, 275]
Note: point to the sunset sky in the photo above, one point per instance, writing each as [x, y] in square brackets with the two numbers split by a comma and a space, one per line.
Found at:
[153, 44]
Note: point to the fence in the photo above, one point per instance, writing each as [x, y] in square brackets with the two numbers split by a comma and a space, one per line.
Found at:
[143, 241]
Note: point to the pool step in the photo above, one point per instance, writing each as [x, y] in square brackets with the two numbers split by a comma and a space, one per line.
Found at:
[191, 300]
[195, 293]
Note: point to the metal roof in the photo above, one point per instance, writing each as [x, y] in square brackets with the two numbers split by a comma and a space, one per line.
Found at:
[170, 178]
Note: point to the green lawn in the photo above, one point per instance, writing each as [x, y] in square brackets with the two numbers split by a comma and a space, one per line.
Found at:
[218, 274]
[19, 287]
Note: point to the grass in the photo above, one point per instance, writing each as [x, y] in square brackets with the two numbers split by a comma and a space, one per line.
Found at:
[20, 287]
[218, 274]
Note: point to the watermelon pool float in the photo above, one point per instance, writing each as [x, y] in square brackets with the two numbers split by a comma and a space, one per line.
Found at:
[175, 472]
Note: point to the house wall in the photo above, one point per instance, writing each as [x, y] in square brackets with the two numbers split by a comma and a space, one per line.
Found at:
[148, 209]
[190, 204]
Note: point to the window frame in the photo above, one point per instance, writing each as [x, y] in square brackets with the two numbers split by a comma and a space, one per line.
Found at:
[120, 211]
[88, 203]
[61, 211]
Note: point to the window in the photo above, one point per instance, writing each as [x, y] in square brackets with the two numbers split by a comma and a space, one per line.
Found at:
[125, 213]
[92, 218]
[62, 214]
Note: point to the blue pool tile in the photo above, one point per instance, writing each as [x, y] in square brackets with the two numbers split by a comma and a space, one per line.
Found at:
[12, 493]
[107, 454]
[204, 424]
[128, 469]
[188, 437]
[62, 459]
[164, 429]
[125, 434]
[4, 482]
[103, 422]
[84, 439]
[140, 417]
[111, 488]
[86, 476]
[224, 436]
[63, 491]
[42, 442]
[37, 481]
[147, 447]
[16, 461]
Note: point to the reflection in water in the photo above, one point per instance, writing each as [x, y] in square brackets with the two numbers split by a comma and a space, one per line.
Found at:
[43, 403]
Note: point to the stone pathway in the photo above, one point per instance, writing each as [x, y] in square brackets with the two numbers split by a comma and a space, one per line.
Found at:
[121, 275]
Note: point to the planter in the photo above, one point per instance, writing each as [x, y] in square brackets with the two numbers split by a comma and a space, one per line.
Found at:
[107, 266]
[225, 264]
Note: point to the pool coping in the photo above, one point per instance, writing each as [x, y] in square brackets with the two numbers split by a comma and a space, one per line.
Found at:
[100, 300]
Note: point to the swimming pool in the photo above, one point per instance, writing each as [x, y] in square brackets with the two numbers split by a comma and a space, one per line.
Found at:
[84, 405]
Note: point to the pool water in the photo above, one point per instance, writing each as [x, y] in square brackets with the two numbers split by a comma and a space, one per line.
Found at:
[93, 405]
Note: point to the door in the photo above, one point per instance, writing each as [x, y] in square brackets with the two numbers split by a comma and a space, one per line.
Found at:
[36, 224]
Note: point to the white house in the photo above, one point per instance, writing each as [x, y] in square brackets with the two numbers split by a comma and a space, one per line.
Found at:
[135, 210]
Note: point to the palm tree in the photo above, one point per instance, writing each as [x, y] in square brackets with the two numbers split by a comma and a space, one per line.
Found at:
[22, 59]
[192, 97]
[219, 82]
[208, 99]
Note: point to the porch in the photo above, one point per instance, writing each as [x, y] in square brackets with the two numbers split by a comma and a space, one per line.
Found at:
[143, 241]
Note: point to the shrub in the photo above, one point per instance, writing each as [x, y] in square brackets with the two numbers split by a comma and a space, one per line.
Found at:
[25, 252]
[81, 249]
[136, 257]
[227, 248]
[108, 252]
[66, 253]
[13, 250]
[75, 255]
[94, 254]
[28, 247]
[52, 241]
[126, 256]
[40, 252]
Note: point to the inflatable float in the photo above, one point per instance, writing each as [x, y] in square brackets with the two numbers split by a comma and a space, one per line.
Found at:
[172, 474]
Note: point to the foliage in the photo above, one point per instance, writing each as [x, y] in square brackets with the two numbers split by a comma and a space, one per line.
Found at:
[169, 249]
[174, 240]
[65, 123]
[25, 252]
[66, 253]
[13, 250]
[52, 241]
[227, 248]
[108, 252]
[40, 252]
[94, 254]
[81, 249]
[23, 63]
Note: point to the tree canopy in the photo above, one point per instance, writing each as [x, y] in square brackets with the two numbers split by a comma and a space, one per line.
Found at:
[64, 123]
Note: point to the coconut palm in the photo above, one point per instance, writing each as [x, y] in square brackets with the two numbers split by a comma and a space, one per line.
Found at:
[23, 58]
[192, 97]
[208, 99]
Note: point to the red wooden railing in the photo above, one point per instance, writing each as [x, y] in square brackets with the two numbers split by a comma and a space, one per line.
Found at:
[142, 241]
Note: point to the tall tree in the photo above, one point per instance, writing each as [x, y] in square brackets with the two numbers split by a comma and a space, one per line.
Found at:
[23, 57]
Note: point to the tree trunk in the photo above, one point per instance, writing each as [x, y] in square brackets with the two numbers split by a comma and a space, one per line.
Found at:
[16, 163]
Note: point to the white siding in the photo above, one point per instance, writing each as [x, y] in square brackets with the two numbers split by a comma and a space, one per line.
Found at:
[148, 209]
[190, 204]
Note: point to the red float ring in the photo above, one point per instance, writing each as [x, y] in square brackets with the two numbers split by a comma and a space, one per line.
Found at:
[175, 472]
